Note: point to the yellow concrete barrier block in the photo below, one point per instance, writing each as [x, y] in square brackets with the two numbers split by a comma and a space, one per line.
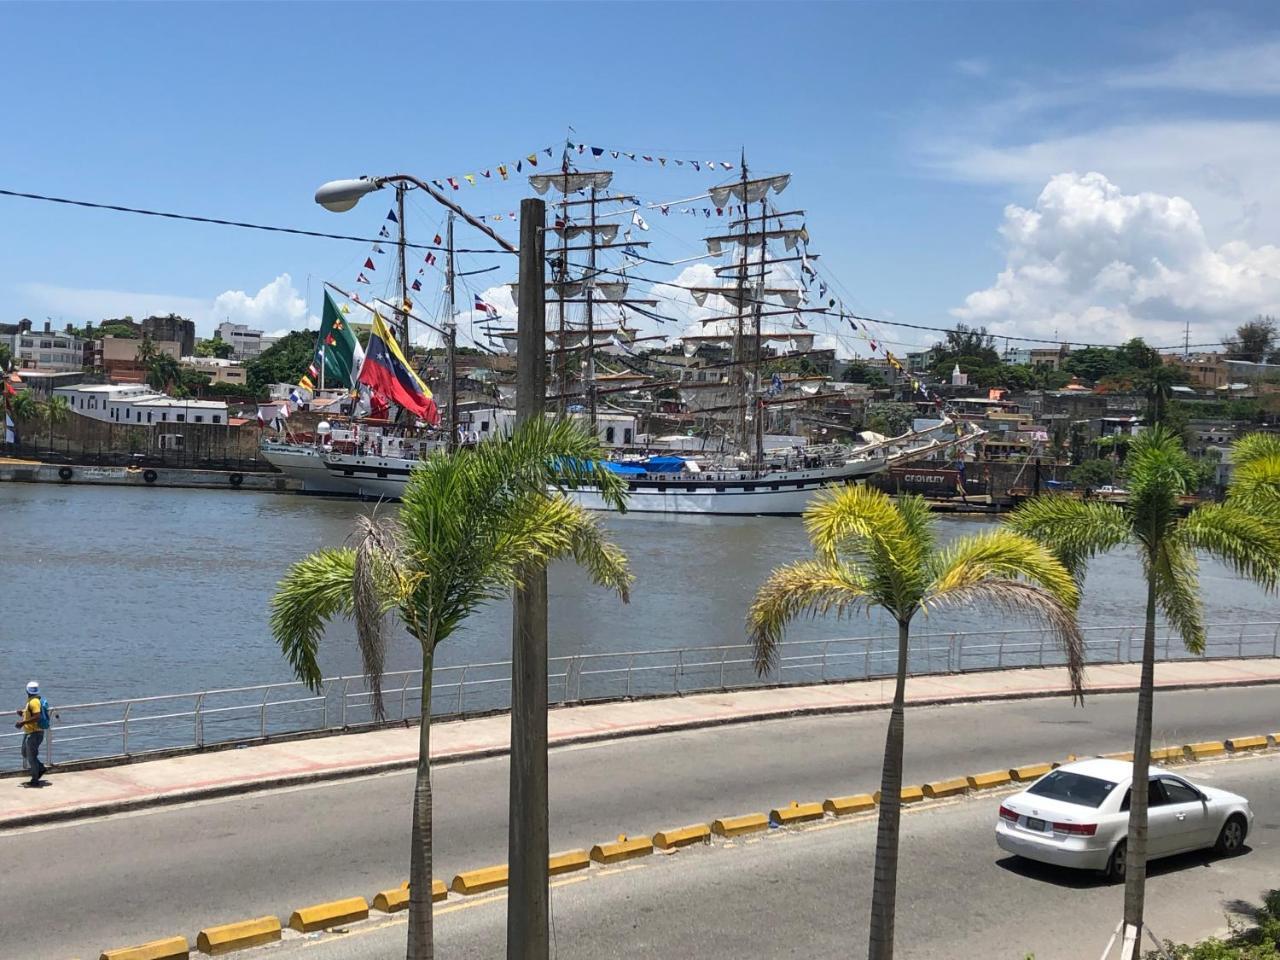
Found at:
[391, 901]
[737, 826]
[568, 861]
[1166, 754]
[438, 890]
[478, 881]
[171, 948]
[909, 795]
[322, 916]
[238, 936]
[987, 781]
[1125, 755]
[844, 806]
[624, 848]
[1201, 751]
[682, 836]
[946, 788]
[1237, 744]
[1031, 771]
[797, 813]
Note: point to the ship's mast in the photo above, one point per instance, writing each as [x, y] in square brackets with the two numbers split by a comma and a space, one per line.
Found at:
[451, 342]
[404, 276]
[591, 326]
[739, 346]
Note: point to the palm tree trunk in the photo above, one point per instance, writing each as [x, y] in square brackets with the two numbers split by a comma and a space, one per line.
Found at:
[1135, 872]
[884, 891]
[420, 918]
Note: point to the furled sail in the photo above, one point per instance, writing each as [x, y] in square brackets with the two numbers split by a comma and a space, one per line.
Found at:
[789, 235]
[751, 191]
[570, 182]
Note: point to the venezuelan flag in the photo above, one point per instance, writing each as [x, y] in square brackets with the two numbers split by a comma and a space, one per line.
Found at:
[387, 373]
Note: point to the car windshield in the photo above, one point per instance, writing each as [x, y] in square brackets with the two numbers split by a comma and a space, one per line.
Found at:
[1073, 788]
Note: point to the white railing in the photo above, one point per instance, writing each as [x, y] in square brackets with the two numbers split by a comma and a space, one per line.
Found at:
[183, 721]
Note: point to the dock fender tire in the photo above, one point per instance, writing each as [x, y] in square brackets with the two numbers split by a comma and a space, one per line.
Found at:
[149, 476]
[236, 479]
[64, 473]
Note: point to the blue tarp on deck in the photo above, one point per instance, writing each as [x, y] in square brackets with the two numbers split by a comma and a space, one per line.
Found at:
[626, 469]
[664, 464]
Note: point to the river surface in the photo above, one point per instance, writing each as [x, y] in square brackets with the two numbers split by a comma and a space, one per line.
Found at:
[113, 592]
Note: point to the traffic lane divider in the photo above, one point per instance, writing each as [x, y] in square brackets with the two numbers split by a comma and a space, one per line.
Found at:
[240, 935]
[438, 890]
[682, 836]
[797, 813]
[989, 780]
[844, 806]
[568, 861]
[909, 795]
[624, 848]
[1238, 744]
[322, 916]
[478, 881]
[1166, 754]
[938, 789]
[170, 948]
[1030, 771]
[391, 901]
[1201, 751]
[737, 826]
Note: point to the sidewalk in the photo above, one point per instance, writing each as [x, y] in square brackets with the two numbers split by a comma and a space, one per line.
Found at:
[87, 793]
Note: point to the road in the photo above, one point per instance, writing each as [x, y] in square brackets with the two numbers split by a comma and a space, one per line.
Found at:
[130, 878]
[805, 894]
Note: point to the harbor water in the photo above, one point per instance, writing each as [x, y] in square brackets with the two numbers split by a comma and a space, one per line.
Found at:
[116, 592]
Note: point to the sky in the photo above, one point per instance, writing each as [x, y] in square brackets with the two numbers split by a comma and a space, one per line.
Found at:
[1074, 171]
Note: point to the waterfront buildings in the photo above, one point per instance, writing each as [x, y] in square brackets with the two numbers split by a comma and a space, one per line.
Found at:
[138, 405]
[47, 349]
[245, 343]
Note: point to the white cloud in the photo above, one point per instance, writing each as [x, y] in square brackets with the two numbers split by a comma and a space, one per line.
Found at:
[1245, 70]
[1089, 262]
[78, 306]
[972, 67]
[277, 308]
[1225, 168]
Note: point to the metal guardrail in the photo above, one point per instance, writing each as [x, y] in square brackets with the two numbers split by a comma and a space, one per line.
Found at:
[182, 721]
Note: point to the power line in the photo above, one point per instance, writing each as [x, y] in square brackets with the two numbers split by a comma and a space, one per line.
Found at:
[222, 223]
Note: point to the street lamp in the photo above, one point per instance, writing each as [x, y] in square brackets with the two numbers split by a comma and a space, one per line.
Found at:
[339, 196]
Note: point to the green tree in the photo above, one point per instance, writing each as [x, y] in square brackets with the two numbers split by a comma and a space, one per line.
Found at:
[283, 362]
[1156, 384]
[1094, 363]
[966, 341]
[1158, 471]
[890, 419]
[470, 521]
[859, 372]
[1137, 356]
[1093, 474]
[6, 358]
[1254, 341]
[870, 551]
[216, 347]
[54, 412]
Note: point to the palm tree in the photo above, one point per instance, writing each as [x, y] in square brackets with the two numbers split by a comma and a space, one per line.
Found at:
[468, 524]
[1255, 479]
[872, 552]
[1157, 384]
[25, 407]
[55, 411]
[1159, 471]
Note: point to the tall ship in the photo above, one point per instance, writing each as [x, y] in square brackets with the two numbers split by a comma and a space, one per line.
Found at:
[736, 456]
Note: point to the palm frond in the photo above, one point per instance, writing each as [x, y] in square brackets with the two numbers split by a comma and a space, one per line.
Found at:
[807, 587]
[1157, 472]
[920, 521]
[1254, 446]
[315, 590]
[1255, 484]
[1003, 554]
[1075, 530]
[888, 539]
[1020, 599]
[1244, 540]
[600, 557]
[1177, 586]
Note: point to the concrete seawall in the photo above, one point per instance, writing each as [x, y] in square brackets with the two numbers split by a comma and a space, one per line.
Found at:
[30, 471]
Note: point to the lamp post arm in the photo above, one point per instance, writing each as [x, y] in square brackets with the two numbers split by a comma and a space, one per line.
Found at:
[445, 201]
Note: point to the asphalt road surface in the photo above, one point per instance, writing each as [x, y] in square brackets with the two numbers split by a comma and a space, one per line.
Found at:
[805, 894]
[89, 885]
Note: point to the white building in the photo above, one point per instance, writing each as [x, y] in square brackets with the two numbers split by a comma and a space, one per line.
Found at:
[45, 349]
[138, 404]
[613, 429]
[219, 370]
[245, 343]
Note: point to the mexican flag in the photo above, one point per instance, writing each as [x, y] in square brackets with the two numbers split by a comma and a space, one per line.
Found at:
[337, 348]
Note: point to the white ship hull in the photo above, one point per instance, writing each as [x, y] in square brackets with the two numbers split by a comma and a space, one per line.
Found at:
[306, 464]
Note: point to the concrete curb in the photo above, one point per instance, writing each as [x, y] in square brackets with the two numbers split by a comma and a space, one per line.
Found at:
[351, 773]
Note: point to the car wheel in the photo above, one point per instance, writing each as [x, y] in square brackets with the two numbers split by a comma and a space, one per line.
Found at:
[1114, 870]
[1231, 838]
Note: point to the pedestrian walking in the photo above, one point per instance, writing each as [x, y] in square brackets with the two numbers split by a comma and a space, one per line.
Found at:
[34, 722]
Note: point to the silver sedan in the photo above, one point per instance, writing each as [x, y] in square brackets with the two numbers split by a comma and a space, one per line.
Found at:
[1078, 816]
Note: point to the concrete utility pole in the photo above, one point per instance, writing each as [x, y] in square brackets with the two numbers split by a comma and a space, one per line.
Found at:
[528, 844]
